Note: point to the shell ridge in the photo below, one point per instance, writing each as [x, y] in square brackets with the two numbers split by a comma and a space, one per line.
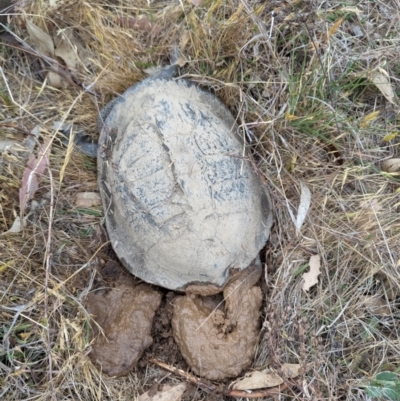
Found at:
[179, 206]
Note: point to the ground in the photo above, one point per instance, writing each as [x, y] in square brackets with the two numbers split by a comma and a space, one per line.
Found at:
[314, 87]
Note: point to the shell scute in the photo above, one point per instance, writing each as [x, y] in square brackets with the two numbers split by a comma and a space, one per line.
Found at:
[182, 203]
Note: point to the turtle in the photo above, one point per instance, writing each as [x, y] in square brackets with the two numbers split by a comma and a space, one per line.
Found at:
[186, 210]
[184, 205]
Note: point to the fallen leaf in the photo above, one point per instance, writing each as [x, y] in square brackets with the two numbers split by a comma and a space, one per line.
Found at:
[290, 17]
[256, 379]
[68, 48]
[311, 278]
[31, 175]
[185, 37]
[305, 201]
[6, 144]
[46, 65]
[41, 41]
[55, 80]
[87, 199]
[382, 82]
[291, 370]
[17, 226]
[24, 336]
[6, 37]
[44, 45]
[391, 165]
[167, 393]
[266, 378]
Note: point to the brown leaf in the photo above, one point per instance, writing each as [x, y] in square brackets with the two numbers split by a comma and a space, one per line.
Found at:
[55, 80]
[266, 378]
[87, 199]
[58, 76]
[185, 37]
[16, 226]
[44, 45]
[167, 393]
[68, 48]
[291, 370]
[311, 278]
[382, 82]
[41, 41]
[256, 379]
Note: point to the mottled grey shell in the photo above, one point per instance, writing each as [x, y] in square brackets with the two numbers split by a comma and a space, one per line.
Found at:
[182, 205]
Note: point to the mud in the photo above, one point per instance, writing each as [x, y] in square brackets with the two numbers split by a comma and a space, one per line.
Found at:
[122, 321]
[217, 337]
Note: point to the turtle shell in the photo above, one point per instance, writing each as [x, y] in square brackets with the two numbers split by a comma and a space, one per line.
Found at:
[182, 202]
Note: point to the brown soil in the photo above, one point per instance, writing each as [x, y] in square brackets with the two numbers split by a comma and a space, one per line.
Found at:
[123, 313]
[164, 347]
[124, 308]
[218, 342]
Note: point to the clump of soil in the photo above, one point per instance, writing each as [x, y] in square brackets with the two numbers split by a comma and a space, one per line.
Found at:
[218, 344]
[215, 335]
[123, 317]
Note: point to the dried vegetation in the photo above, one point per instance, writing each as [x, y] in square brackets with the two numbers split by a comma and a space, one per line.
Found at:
[314, 86]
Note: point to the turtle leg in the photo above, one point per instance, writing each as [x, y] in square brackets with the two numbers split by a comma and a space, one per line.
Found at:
[82, 141]
[104, 112]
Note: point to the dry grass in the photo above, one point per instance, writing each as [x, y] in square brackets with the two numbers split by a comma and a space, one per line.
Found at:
[301, 88]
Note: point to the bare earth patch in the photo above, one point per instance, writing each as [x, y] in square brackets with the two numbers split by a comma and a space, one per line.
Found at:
[218, 335]
[121, 326]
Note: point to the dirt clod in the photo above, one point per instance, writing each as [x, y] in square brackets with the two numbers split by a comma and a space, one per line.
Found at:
[125, 315]
[218, 344]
